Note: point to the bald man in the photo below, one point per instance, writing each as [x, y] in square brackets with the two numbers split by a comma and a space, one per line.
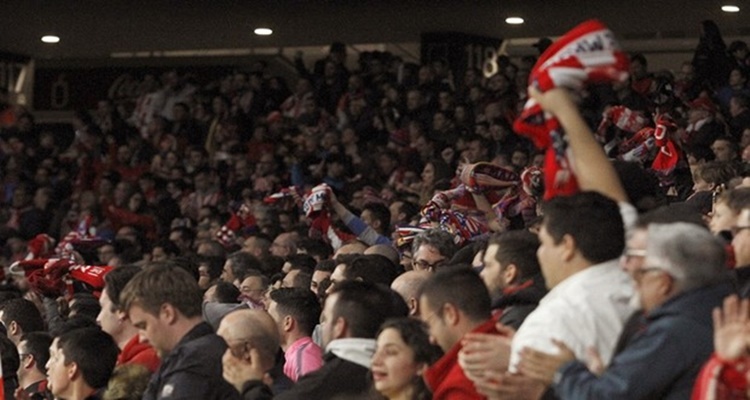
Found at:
[353, 247]
[408, 286]
[385, 250]
[252, 342]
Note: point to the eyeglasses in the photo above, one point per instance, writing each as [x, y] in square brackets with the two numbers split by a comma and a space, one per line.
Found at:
[737, 229]
[422, 265]
[641, 272]
[630, 253]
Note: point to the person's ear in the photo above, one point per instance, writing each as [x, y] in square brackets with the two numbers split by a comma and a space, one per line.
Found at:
[168, 312]
[72, 371]
[421, 368]
[510, 274]
[450, 314]
[339, 328]
[288, 323]
[13, 328]
[569, 247]
[29, 361]
[413, 305]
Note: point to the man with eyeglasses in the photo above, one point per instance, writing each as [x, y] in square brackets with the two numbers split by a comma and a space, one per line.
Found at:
[679, 282]
[431, 249]
[33, 352]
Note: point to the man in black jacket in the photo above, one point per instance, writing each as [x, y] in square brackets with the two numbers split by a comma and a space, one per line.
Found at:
[513, 276]
[164, 302]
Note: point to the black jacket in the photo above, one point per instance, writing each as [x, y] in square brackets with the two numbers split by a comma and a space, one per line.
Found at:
[518, 302]
[336, 378]
[192, 370]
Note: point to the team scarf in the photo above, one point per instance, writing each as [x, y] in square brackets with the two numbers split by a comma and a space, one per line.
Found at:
[589, 53]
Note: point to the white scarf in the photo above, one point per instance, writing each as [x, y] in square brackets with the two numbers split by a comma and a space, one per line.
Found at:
[356, 350]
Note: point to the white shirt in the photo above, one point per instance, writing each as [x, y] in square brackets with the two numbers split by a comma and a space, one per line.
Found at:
[589, 308]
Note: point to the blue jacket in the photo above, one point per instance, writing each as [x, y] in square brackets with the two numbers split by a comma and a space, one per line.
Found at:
[661, 362]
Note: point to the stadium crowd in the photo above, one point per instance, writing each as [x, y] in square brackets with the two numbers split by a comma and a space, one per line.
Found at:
[388, 231]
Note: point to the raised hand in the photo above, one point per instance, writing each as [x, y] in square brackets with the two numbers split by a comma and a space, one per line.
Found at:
[731, 329]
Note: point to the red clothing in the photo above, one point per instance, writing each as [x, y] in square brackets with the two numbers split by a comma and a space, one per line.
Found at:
[446, 379]
[720, 380]
[136, 352]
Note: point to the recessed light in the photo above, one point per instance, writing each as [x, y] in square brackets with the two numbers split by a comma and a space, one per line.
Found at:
[514, 20]
[263, 31]
[730, 9]
[50, 39]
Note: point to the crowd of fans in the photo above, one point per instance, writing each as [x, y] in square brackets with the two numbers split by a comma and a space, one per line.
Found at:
[382, 232]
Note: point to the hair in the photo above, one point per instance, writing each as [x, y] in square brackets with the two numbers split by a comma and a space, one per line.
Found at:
[690, 254]
[37, 345]
[326, 266]
[299, 303]
[372, 268]
[735, 199]
[169, 248]
[128, 382]
[226, 292]
[263, 241]
[439, 239]
[116, 279]
[161, 283]
[415, 334]
[409, 208]
[255, 273]
[592, 220]
[460, 286]
[24, 313]
[94, 351]
[716, 172]
[365, 306]
[380, 213]
[315, 248]
[518, 248]
[302, 279]
[678, 212]
[85, 304]
[72, 324]
[303, 262]
[242, 262]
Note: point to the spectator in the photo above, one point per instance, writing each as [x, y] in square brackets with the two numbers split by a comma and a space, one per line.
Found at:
[33, 352]
[513, 277]
[20, 316]
[453, 303]
[252, 340]
[402, 355]
[689, 262]
[113, 321]
[296, 311]
[431, 249]
[80, 363]
[350, 320]
[164, 303]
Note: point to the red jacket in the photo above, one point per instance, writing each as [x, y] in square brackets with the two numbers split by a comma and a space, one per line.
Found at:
[446, 379]
[136, 352]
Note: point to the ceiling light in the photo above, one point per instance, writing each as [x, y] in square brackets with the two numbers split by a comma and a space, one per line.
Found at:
[50, 39]
[514, 20]
[263, 31]
[730, 9]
